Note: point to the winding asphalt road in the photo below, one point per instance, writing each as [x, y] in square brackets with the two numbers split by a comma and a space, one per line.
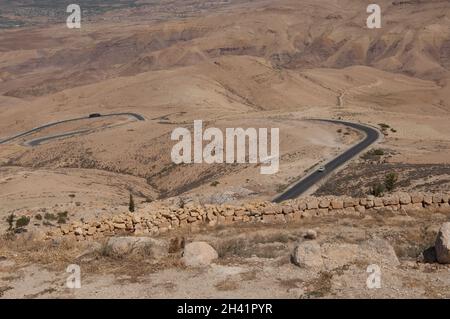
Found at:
[40, 140]
[372, 135]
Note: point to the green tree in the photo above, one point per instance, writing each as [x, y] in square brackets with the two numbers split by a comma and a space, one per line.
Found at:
[131, 204]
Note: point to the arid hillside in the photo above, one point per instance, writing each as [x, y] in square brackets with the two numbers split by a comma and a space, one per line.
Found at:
[229, 63]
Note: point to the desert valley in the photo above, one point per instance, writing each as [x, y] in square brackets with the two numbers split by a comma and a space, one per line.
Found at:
[87, 177]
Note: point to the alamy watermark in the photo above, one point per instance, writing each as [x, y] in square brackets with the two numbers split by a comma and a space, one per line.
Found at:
[73, 281]
[74, 19]
[374, 19]
[229, 149]
[374, 279]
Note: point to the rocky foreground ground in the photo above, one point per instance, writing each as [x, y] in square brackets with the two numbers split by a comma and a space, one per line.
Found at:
[381, 253]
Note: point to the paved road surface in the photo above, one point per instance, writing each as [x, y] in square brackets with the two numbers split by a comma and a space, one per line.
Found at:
[306, 183]
[40, 140]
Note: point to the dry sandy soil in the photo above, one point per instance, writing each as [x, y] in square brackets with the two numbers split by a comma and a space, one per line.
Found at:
[232, 63]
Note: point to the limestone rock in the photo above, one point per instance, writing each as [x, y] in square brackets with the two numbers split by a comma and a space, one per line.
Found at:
[308, 255]
[442, 245]
[198, 254]
[311, 234]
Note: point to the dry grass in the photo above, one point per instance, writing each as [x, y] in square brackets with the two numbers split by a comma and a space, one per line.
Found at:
[47, 253]
[227, 285]
[291, 283]
[320, 286]
[4, 289]
[57, 256]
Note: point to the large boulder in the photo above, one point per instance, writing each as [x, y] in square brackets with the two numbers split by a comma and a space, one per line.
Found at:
[308, 254]
[198, 254]
[372, 251]
[144, 246]
[378, 251]
[442, 245]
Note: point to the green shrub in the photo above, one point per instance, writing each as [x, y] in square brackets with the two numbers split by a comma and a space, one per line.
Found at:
[378, 152]
[373, 153]
[62, 214]
[390, 181]
[38, 216]
[10, 220]
[377, 189]
[215, 183]
[22, 221]
[50, 216]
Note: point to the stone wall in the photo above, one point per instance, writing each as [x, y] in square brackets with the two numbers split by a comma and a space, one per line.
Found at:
[162, 219]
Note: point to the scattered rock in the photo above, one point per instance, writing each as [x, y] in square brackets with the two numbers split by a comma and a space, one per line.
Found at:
[198, 254]
[91, 248]
[373, 251]
[308, 255]
[311, 234]
[379, 251]
[442, 245]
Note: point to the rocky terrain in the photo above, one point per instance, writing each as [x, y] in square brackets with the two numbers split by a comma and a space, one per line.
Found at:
[326, 256]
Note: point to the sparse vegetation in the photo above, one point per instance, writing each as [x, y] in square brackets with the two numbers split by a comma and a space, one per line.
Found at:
[50, 216]
[38, 216]
[214, 184]
[377, 189]
[390, 181]
[373, 154]
[62, 217]
[378, 152]
[10, 220]
[320, 286]
[22, 222]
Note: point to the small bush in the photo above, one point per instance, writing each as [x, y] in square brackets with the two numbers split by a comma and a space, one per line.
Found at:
[377, 190]
[61, 220]
[22, 221]
[384, 126]
[378, 152]
[374, 153]
[390, 181]
[62, 214]
[50, 216]
[10, 220]
[38, 216]
[215, 183]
